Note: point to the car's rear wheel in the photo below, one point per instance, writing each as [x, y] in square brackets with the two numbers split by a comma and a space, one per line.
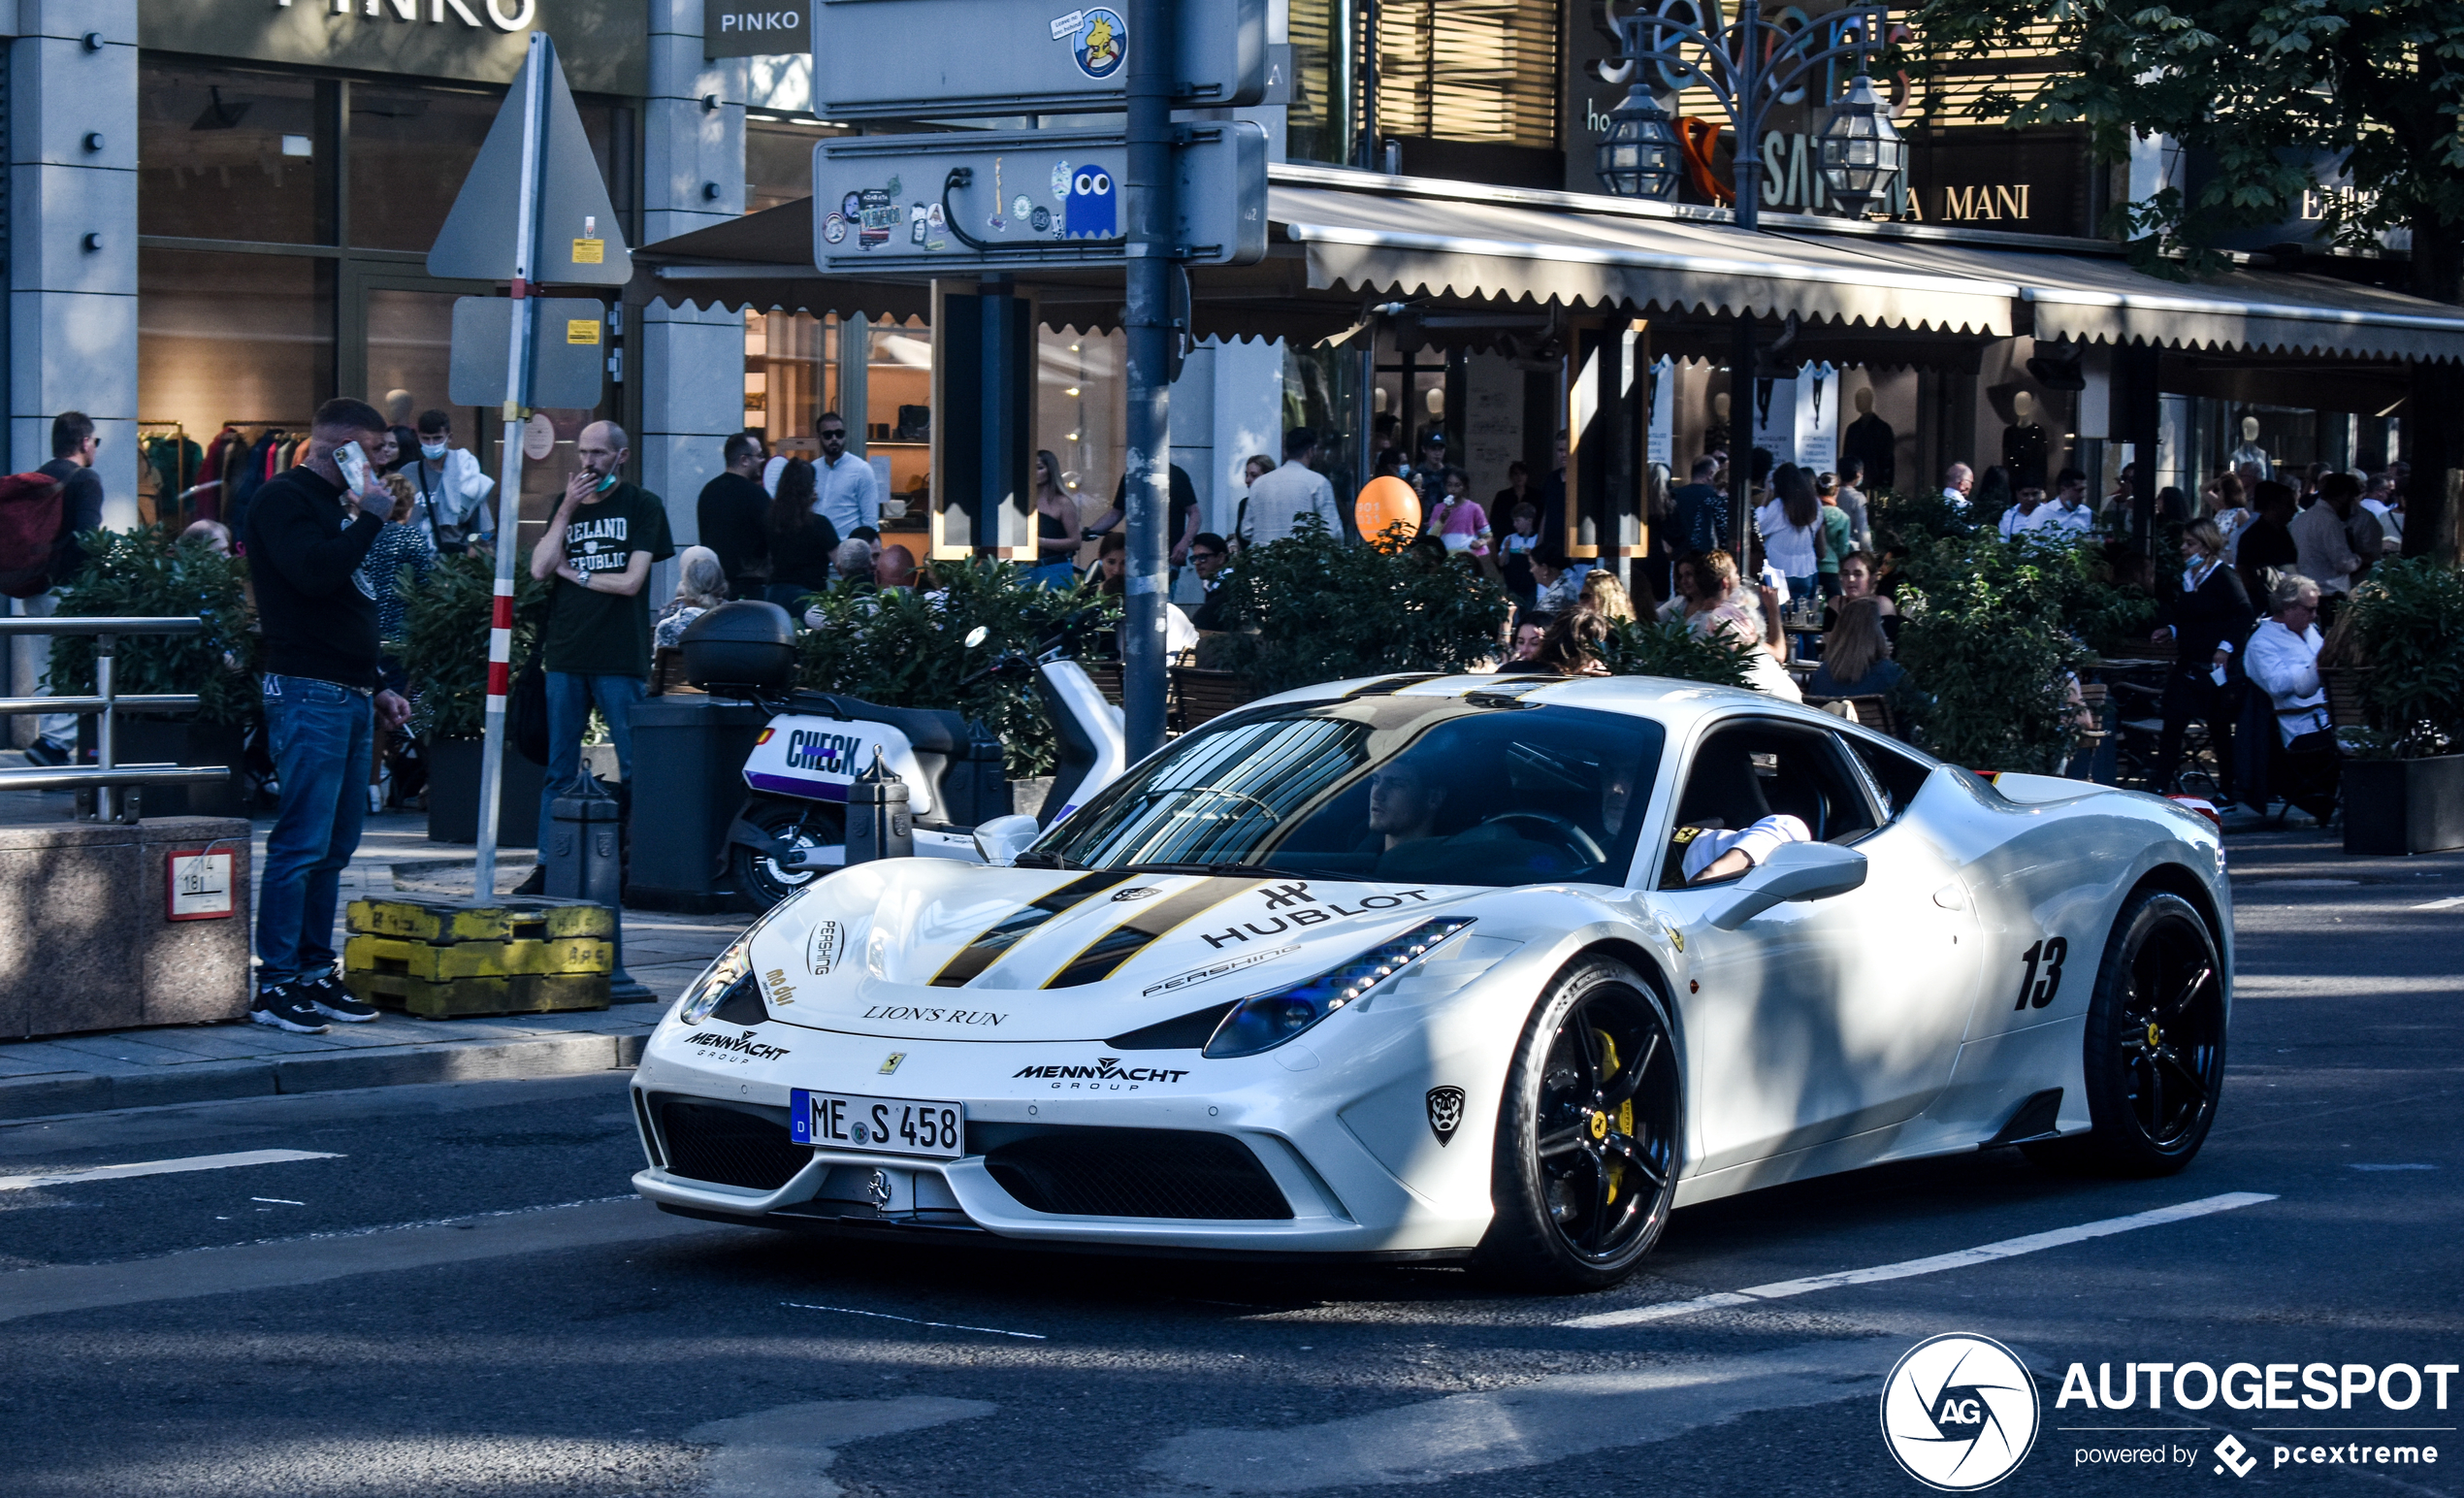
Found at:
[2155, 1046]
[1587, 1138]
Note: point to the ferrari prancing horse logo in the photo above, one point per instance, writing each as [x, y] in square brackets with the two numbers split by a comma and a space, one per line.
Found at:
[1446, 1112]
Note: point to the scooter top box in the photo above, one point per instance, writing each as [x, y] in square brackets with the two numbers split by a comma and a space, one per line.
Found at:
[526, 917]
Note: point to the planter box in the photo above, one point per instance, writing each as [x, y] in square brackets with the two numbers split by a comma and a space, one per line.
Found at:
[176, 741]
[2404, 805]
[453, 796]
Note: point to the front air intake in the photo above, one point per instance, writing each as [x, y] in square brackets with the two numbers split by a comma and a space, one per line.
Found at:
[727, 1146]
[1138, 1173]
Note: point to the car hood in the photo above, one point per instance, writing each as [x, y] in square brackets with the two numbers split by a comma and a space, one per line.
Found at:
[930, 949]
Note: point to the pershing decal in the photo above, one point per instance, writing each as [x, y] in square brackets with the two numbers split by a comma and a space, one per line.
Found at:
[1214, 970]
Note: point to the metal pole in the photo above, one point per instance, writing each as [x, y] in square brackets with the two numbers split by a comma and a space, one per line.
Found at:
[106, 798]
[1747, 176]
[509, 464]
[1149, 329]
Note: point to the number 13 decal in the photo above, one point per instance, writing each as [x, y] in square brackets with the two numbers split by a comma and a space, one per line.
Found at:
[2036, 988]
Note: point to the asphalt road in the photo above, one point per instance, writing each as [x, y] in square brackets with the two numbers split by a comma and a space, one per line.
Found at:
[455, 1294]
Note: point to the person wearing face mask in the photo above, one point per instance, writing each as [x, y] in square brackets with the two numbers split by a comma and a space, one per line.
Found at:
[453, 493]
[597, 553]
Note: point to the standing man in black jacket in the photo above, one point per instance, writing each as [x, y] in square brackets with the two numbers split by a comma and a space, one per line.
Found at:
[2207, 624]
[733, 515]
[73, 445]
[308, 538]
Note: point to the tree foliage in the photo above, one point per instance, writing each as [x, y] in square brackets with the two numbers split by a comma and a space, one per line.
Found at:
[1311, 608]
[2266, 88]
[2407, 620]
[908, 649]
[1650, 649]
[146, 573]
[444, 645]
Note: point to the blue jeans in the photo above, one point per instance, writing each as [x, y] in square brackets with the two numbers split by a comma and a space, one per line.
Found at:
[321, 735]
[568, 712]
[1061, 575]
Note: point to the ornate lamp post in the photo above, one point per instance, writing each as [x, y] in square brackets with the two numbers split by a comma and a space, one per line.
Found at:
[1752, 66]
[1638, 154]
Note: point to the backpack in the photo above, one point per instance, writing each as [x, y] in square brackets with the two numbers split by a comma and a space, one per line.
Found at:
[29, 528]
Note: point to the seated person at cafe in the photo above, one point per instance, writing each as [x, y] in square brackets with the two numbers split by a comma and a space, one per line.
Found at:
[1856, 655]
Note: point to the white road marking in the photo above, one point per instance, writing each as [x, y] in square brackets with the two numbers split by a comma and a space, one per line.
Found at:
[1032, 1336]
[785, 1450]
[162, 1168]
[1985, 1253]
[1528, 1425]
[279, 1201]
[2394, 1167]
[2452, 902]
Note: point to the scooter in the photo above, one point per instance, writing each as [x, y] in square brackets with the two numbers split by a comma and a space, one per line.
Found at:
[792, 827]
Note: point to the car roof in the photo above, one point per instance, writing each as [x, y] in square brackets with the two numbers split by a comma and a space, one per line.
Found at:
[1677, 706]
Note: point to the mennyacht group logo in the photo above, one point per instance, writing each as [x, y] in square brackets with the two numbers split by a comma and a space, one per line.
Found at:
[1958, 1412]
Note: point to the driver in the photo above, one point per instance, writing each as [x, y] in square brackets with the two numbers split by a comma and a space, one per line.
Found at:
[1404, 803]
[1714, 854]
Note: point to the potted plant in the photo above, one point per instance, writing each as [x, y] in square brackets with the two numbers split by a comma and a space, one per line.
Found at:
[146, 573]
[445, 652]
[1311, 609]
[2403, 776]
[1984, 637]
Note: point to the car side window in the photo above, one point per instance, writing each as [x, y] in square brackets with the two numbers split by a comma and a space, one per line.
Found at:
[1897, 777]
[1742, 772]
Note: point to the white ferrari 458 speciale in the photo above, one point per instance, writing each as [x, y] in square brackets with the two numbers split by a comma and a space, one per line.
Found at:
[1428, 967]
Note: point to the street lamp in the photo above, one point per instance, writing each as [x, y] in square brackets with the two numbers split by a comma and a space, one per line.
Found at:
[1639, 153]
[1862, 152]
[1750, 67]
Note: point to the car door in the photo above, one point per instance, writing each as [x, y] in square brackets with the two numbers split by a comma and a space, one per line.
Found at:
[1817, 1019]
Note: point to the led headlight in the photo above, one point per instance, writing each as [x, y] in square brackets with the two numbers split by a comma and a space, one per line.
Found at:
[734, 967]
[1267, 1020]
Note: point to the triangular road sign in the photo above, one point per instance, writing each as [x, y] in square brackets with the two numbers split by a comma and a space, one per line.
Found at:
[579, 242]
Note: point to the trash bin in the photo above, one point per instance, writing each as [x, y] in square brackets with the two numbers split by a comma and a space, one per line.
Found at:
[688, 754]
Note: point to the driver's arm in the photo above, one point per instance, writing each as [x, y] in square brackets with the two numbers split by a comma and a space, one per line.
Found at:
[1731, 854]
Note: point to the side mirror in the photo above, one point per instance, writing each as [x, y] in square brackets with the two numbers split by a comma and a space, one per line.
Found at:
[1001, 840]
[1795, 871]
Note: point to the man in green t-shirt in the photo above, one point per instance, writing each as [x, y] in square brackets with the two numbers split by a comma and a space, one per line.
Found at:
[599, 549]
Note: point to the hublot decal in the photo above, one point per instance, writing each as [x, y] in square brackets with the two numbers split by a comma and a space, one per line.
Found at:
[1292, 894]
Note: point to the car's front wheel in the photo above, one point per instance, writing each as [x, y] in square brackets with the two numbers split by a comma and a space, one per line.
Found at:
[1586, 1161]
[2155, 1047]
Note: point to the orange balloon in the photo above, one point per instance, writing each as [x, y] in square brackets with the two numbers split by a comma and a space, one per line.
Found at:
[1385, 502]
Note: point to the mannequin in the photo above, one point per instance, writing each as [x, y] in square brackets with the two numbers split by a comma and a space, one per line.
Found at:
[2250, 451]
[1715, 436]
[1871, 439]
[2023, 444]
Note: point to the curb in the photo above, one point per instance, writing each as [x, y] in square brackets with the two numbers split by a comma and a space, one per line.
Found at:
[200, 1082]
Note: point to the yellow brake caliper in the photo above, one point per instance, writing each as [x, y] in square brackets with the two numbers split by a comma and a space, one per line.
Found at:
[1625, 1110]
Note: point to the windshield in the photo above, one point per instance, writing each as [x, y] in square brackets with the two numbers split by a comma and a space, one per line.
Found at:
[1391, 788]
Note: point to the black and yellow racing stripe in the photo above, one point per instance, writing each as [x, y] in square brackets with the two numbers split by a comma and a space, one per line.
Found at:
[1106, 953]
[987, 949]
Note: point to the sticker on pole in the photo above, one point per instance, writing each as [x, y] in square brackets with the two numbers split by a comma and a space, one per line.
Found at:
[199, 883]
[1098, 40]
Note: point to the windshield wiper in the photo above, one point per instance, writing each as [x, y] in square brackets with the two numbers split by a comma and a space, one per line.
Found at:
[1034, 859]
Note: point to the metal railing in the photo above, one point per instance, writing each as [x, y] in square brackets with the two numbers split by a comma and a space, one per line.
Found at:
[107, 775]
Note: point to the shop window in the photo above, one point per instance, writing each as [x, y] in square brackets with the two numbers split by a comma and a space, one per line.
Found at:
[228, 155]
[1080, 410]
[791, 377]
[411, 353]
[778, 162]
[411, 148]
[232, 340]
[1469, 70]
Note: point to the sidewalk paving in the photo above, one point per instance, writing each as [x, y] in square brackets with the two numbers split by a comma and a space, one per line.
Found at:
[207, 1063]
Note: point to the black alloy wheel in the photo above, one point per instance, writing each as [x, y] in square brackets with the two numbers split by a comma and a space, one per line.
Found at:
[2155, 1045]
[761, 881]
[1587, 1139]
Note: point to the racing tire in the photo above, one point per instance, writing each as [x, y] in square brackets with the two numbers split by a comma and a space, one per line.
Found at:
[2155, 1046]
[1585, 1165]
[760, 880]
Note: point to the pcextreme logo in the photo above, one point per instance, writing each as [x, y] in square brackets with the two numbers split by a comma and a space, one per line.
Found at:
[1960, 1412]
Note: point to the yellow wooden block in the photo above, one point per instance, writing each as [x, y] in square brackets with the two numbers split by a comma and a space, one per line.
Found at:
[530, 917]
[528, 993]
[439, 962]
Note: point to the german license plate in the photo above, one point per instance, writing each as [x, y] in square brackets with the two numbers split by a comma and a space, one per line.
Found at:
[886, 1125]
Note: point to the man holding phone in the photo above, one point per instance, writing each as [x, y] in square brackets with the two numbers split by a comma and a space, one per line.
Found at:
[599, 549]
[309, 532]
